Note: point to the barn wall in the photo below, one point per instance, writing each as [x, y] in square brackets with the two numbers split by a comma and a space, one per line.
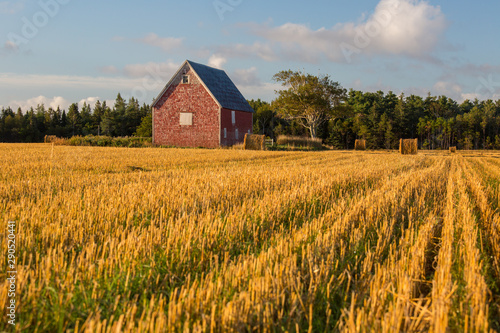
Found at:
[191, 98]
[243, 122]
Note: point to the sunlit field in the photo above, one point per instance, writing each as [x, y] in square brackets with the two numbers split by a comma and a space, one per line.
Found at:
[196, 240]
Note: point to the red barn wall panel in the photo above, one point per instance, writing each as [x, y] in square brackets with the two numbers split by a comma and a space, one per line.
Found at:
[243, 122]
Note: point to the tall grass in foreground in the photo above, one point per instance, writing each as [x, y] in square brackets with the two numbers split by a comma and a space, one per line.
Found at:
[148, 240]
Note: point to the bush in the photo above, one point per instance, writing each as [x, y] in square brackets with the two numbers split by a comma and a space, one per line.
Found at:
[106, 141]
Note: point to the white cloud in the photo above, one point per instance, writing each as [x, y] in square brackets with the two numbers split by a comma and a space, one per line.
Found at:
[142, 81]
[165, 43]
[11, 7]
[397, 27]
[89, 100]
[265, 91]
[449, 89]
[480, 95]
[471, 96]
[11, 80]
[412, 27]
[261, 50]
[109, 70]
[136, 87]
[246, 77]
[54, 102]
[216, 61]
[482, 82]
[92, 100]
[460, 93]
[162, 71]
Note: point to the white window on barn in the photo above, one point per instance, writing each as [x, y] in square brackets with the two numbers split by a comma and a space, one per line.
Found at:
[185, 79]
[186, 119]
[233, 117]
[236, 134]
[248, 131]
[225, 133]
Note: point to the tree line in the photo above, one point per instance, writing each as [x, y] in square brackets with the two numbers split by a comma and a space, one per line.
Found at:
[311, 106]
[125, 118]
[320, 107]
[382, 119]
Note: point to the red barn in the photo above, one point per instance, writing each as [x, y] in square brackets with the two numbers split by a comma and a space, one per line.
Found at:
[200, 107]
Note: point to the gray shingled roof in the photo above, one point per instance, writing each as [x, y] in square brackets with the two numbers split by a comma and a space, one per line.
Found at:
[221, 87]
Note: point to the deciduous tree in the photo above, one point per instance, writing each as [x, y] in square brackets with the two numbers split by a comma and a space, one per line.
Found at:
[312, 100]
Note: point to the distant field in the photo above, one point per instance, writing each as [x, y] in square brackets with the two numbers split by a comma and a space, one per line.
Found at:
[125, 239]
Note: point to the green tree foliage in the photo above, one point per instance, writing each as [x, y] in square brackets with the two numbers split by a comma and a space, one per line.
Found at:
[309, 99]
[34, 124]
[263, 117]
[145, 129]
[381, 119]
[74, 119]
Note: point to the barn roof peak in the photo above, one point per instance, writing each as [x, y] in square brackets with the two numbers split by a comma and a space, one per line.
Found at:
[218, 84]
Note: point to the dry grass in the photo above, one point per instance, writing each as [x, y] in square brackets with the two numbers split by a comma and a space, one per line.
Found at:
[168, 240]
[49, 138]
[237, 146]
[55, 140]
[299, 141]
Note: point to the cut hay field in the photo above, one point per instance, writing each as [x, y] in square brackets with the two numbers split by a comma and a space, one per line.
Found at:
[192, 240]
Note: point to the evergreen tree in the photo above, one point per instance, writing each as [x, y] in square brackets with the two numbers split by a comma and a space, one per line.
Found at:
[118, 117]
[86, 119]
[97, 117]
[132, 117]
[74, 120]
[108, 123]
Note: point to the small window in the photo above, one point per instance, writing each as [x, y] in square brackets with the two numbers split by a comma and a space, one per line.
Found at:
[233, 117]
[185, 79]
[186, 119]
[249, 132]
[236, 134]
[225, 133]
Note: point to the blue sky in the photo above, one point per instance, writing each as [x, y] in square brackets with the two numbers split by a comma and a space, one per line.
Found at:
[58, 52]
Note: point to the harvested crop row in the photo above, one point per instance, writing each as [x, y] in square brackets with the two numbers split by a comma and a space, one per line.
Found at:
[474, 300]
[388, 299]
[443, 286]
[482, 180]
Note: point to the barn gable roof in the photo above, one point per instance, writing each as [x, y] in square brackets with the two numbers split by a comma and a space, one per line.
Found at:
[218, 84]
